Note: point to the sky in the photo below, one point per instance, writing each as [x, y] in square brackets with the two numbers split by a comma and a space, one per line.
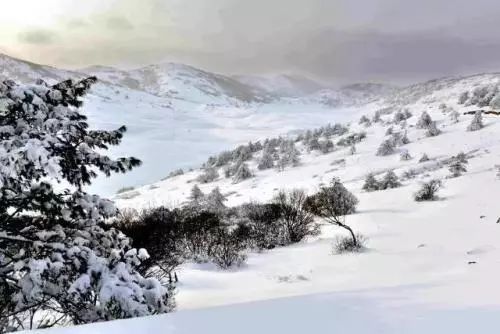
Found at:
[332, 40]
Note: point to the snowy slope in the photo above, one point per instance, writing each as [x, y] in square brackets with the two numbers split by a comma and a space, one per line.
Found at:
[430, 267]
[427, 264]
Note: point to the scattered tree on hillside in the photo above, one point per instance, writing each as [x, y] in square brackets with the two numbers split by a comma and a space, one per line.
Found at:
[297, 221]
[196, 196]
[333, 203]
[210, 174]
[371, 183]
[477, 122]
[428, 191]
[405, 156]
[242, 173]
[215, 201]
[454, 116]
[457, 165]
[424, 121]
[386, 148]
[432, 130]
[390, 181]
[423, 158]
[266, 161]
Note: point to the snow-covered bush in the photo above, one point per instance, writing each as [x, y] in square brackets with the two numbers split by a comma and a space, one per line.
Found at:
[454, 116]
[364, 120]
[387, 147]
[343, 244]
[432, 130]
[242, 173]
[297, 222]
[266, 161]
[59, 253]
[428, 191]
[371, 183]
[210, 174]
[390, 181]
[389, 131]
[463, 98]
[227, 251]
[477, 122]
[457, 165]
[423, 158]
[405, 156]
[424, 121]
[176, 172]
[326, 146]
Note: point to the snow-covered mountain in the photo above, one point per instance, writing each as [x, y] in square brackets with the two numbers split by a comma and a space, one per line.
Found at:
[286, 85]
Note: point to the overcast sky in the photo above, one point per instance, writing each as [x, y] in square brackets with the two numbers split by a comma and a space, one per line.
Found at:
[335, 40]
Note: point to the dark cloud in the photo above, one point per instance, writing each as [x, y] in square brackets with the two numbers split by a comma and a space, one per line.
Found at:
[336, 40]
[37, 36]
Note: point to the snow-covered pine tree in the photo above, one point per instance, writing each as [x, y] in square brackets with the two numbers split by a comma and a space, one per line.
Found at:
[423, 158]
[215, 200]
[390, 181]
[61, 260]
[477, 122]
[242, 173]
[371, 183]
[196, 195]
[209, 174]
[326, 146]
[424, 121]
[266, 161]
[386, 148]
[432, 130]
[454, 116]
[405, 156]
[389, 131]
[458, 164]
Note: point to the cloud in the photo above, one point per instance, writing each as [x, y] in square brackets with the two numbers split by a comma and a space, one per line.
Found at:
[37, 36]
[119, 23]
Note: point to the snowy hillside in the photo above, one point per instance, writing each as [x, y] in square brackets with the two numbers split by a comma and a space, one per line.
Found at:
[430, 266]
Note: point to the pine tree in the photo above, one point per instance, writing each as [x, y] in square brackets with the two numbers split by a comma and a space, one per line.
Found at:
[405, 156]
[457, 165]
[386, 148]
[371, 183]
[432, 130]
[390, 180]
[424, 121]
[196, 196]
[266, 161]
[242, 173]
[454, 116]
[326, 146]
[423, 158]
[215, 200]
[59, 251]
[477, 122]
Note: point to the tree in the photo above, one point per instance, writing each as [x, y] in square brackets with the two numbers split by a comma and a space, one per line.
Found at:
[297, 221]
[423, 158]
[463, 98]
[242, 173]
[215, 201]
[266, 161]
[326, 146]
[457, 165]
[210, 174]
[352, 149]
[371, 183]
[454, 116]
[477, 122]
[390, 181]
[428, 191]
[389, 131]
[432, 130]
[333, 203]
[59, 251]
[424, 121]
[196, 196]
[386, 148]
[405, 156]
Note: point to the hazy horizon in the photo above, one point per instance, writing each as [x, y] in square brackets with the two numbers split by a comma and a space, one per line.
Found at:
[341, 41]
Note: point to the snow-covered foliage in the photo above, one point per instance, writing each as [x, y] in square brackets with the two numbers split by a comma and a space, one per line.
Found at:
[458, 164]
[61, 261]
[476, 122]
[428, 191]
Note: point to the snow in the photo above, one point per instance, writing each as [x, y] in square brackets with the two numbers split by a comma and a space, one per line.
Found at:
[430, 267]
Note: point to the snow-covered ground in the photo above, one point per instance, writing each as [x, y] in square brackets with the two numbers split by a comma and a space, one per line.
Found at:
[430, 267]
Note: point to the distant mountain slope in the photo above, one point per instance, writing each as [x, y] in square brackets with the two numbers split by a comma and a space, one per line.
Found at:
[285, 85]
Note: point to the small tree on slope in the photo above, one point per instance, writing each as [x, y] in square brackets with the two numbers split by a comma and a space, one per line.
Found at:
[477, 122]
[333, 203]
[60, 259]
